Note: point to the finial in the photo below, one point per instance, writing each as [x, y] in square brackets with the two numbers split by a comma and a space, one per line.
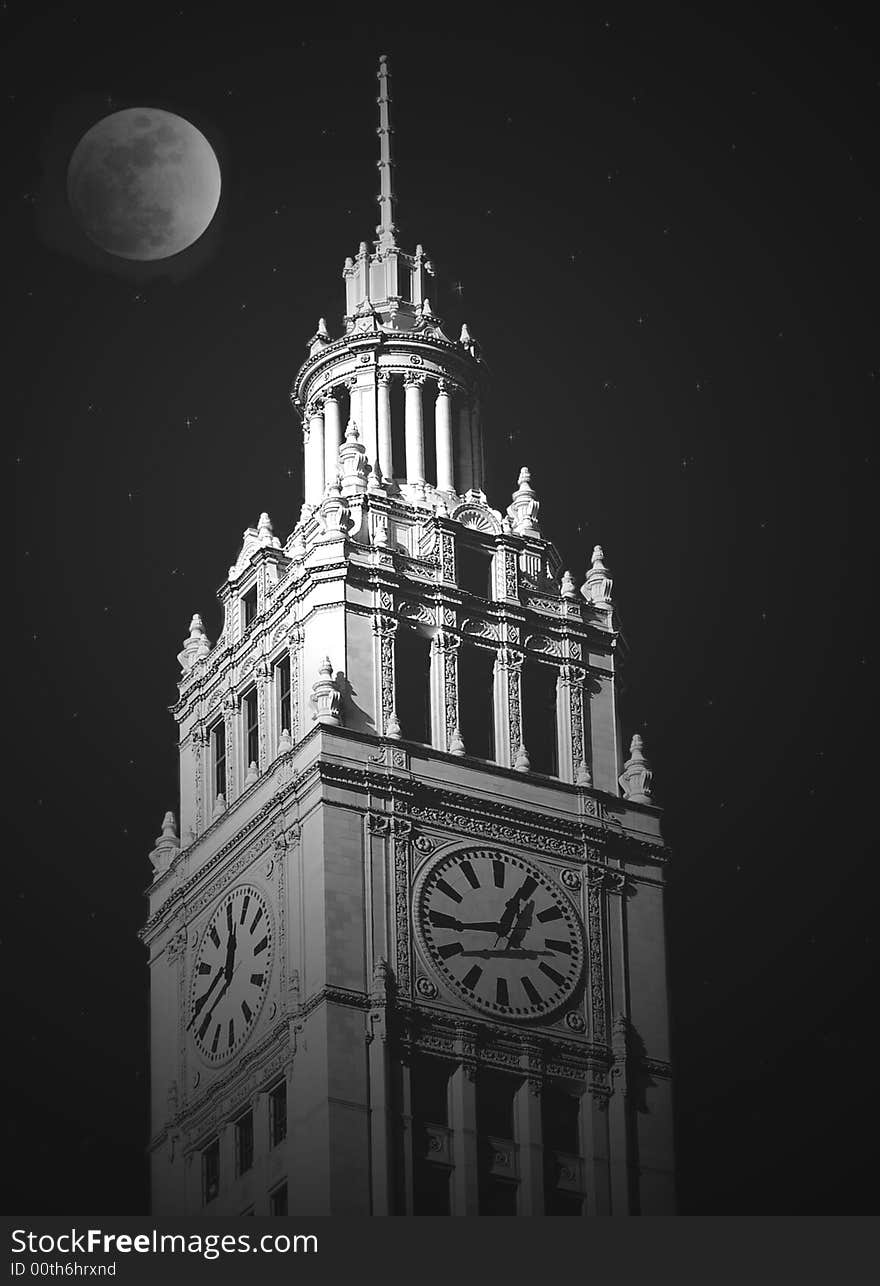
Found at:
[465, 336]
[386, 229]
[167, 845]
[220, 804]
[351, 432]
[636, 778]
[584, 777]
[264, 527]
[196, 647]
[322, 328]
[392, 728]
[284, 742]
[522, 763]
[523, 511]
[326, 696]
[253, 774]
[427, 310]
[596, 589]
[456, 743]
[569, 589]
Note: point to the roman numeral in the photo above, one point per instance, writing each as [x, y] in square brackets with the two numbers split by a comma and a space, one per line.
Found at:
[261, 945]
[531, 991]
[469, 874]
[216, 1041]
[229, 916]
[215, 936]
[204, 968]
[257, 979]
[441, 921]
[528, 886]
[454, 949]
[552, 913]
[231, 1040]
[502, 996]
[443, 887]
[498, 874]
[244, 908]
[472, 977]
[552, 973]
[556, 944]
[256, 920]
[246, 1010]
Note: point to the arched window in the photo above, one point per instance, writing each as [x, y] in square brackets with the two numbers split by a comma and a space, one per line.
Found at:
[539, 715]
[476, 700]
[412, 684]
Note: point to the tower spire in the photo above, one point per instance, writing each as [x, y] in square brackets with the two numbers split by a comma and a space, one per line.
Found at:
[386, 228]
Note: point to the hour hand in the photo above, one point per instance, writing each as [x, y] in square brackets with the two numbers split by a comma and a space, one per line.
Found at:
[204, 997]
[441, 921]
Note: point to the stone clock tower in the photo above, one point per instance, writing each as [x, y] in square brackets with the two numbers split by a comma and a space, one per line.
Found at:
[407, 948]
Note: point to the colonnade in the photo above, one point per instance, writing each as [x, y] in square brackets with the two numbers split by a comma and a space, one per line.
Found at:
[457, 462]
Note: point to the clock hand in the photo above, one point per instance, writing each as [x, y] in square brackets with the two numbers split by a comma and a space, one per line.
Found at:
[203, 998]
[505, 953]
[523, 924]
[221, 993]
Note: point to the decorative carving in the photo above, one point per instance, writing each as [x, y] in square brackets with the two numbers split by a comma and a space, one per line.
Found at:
[574, 1021]
[596, 589]
[401, 909]
[477, 518]
[571, 879]
[523, 510]
[596, 947]
[167, 845]
[425, 988]
[176, 946]
[414, 379]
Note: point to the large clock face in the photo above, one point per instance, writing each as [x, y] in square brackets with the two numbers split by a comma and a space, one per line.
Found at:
[500, 934]
[231, 974]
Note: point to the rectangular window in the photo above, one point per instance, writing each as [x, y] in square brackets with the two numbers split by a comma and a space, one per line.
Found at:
[249, 606]
[476, 700]
[560, 1114]
[252, 729]
[473, 570]
[278, 1200]
[430, 1090]
[211, 1171]
[278, 1114]
[412, 684]
[218, 746]
[244, 1143]
[282, 692]
[539, 715]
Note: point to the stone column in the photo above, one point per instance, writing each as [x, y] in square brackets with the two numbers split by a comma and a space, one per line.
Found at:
[530, 1140]
[383, 425]
[314, 450]
[465, 469]
[465, 1178]
[415, 444]
[332, 435]
[443, 422]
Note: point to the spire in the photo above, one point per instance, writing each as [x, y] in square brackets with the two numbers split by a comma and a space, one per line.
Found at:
[386, 228]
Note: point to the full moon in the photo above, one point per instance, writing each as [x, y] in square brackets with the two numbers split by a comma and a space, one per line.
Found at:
[143, 183]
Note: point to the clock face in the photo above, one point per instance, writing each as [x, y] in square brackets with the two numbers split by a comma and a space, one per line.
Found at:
[231, 974]
[500, 934]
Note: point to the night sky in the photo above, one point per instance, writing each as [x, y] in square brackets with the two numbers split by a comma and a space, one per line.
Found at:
[662, 229]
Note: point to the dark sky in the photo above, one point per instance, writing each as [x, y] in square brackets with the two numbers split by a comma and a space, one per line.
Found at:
[663, 227]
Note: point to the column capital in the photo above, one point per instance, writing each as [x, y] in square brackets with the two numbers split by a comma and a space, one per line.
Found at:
[446, 386]
[384, 377]
[315, 406]
[414, 379]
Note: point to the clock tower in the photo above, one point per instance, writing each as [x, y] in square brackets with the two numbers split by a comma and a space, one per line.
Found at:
[406, 948]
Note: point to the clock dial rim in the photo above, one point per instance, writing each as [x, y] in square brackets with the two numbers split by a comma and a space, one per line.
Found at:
[216, 918]
[426, 882]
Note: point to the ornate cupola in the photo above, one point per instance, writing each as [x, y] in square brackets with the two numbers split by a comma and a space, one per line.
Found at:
[391, 335]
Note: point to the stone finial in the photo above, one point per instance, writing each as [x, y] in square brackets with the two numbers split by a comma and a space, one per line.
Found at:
[456, 743]
[523, 510]
[326, 697]
[353, 463]
[522, 763]
[465, 336]
[427, 310]
[253, 774]
[596, 589]
[375, 480]
[196, 647]
[285, 742]
[635, 780]
[322, 328]
[265, 531]
[334, 510]
[167, 845]
[220, 804]
[569, 588]
[392, 728]
[583, 777]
